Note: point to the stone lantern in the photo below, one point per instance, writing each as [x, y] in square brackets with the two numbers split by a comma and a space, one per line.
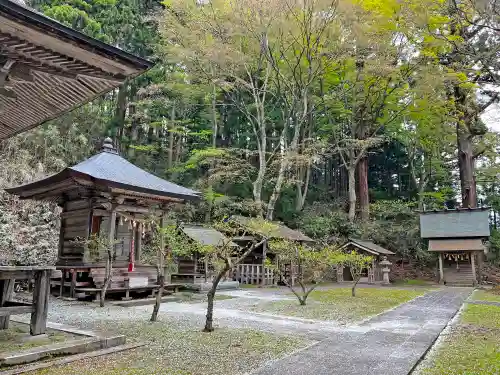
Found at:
[385, 270]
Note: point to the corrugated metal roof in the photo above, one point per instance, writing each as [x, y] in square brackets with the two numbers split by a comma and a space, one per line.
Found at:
[369, 246]
[206, 236]
[468, 244]
[49, 69]
[281, 231]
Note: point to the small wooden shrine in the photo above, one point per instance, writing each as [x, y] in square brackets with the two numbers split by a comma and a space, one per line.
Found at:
[253, 270]
[371, 274]
[457, 237]
[105, 195]
[195, 268]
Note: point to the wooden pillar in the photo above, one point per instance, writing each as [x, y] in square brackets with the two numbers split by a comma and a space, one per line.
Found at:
[473, 264]
[6, 290]
[264, 256]
[161, 250]
[138, 243]
[40, 302]
[61, 287]
[441, 273]
[73, 283]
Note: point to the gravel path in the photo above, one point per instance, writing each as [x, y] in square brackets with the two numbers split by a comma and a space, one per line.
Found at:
[230, 313]
[388, 344]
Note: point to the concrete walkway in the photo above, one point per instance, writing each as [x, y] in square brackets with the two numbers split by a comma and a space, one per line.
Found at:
[388, 344]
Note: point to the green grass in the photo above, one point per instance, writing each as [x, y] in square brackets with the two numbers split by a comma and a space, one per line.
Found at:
[472, 347]
[484, 295]
[414, 282]
[173, 351]
[15, 338]
[188, 297]
[338, 304]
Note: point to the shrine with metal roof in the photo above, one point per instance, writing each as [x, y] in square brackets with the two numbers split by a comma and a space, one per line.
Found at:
[457, 236]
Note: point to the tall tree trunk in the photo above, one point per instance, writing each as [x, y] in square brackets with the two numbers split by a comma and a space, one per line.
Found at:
[300, 198]
[209, 327]
[160, 269]
[466, 168]
[364, 199]
[351, 173]
[259, 180]
[107, 278]
[133, 130]
[171, 127]
[120, 111]
[110, 246]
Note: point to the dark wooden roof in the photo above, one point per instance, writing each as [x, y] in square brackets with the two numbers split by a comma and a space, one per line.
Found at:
[106, 171]
[368, 246]
[47, 69]
[281, 231]
[466, 244]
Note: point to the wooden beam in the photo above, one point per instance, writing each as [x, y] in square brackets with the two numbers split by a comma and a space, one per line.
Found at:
[6, 291]
[41, 293]
[6, 312]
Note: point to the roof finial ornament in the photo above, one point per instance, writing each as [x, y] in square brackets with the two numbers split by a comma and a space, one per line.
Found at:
[107, 146]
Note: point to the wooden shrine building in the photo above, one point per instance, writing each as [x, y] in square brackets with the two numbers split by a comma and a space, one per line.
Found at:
[253, 270]
[47, 69]
[372, 274]
[105, 195]
[457, 237]
[195, 268]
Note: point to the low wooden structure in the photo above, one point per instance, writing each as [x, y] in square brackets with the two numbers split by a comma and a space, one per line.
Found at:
[40, 305]
[253, 270]
[195, 268]
[457, 238]
[371, 274]
[109, 197]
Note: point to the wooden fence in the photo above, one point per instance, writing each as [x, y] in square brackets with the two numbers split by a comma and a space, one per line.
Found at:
[255, 274]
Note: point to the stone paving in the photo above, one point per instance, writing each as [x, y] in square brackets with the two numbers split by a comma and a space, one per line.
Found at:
[388, 344]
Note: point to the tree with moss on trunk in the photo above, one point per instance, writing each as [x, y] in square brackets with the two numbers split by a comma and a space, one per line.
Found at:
[308, 266]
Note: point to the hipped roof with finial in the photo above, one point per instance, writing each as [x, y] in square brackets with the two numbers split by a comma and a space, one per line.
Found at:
[106, 171]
